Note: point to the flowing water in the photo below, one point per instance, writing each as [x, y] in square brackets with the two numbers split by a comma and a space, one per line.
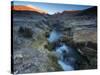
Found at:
[68, 56]
[54, 36]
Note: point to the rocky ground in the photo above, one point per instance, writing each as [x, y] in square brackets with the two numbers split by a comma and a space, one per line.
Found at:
[31, 51]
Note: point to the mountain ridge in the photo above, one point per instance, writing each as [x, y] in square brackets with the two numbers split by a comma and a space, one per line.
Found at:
[27, 8]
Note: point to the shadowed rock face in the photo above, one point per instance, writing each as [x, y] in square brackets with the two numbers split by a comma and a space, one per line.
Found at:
[33, 51]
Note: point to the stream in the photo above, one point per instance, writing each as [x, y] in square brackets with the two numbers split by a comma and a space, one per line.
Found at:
[68, 55]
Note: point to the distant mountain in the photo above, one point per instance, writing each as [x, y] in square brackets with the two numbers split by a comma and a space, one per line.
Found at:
[89, 11]
[27, 8]
[71, 11]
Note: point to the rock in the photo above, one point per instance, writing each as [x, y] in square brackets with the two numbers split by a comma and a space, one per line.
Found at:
[33, 53]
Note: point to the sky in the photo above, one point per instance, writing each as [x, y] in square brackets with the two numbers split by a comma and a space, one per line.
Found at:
[52, 8]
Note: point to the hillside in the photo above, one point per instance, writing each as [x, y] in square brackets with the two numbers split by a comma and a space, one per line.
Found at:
[89, 11]
[32, 52]
[27, 8]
